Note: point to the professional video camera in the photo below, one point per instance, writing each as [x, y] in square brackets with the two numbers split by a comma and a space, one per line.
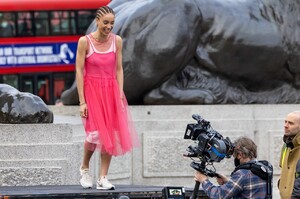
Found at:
[211, 147]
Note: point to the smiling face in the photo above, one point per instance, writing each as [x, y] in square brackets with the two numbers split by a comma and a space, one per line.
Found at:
[105, 23]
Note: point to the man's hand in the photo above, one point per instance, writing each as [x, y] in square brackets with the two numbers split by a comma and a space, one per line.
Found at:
[200, 177]
[221, 179]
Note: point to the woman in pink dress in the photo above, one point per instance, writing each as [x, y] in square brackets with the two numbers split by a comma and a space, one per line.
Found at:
[103, 106]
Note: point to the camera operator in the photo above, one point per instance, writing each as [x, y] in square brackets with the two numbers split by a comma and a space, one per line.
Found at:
[242, 182]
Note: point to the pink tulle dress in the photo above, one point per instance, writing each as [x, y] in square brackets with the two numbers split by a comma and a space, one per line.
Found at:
[108, 125]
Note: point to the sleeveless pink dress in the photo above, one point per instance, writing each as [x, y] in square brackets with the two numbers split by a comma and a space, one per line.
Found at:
[108, 125]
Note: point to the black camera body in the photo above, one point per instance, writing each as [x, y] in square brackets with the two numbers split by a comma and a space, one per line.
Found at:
[211, 146]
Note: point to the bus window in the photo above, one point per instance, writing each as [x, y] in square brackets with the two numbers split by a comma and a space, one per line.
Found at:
[11, 80]
[41, 23]
[27, 84]
[7, 28]
[62, 82]
[63, 22]
[25, 24]
[84, 19]
[43, 88]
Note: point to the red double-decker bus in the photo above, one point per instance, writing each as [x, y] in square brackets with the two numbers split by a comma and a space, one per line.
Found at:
[38, 41]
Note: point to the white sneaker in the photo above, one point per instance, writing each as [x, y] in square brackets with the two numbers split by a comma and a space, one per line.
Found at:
[86, 180]
[103, 183]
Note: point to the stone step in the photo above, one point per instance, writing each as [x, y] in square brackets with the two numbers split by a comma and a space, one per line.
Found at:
[62, 119]
[32, 162]
[35, 133]
[37, 151]
[19, 172]
[180, 125]
[185, 112]
[212, 111]
[218, 125]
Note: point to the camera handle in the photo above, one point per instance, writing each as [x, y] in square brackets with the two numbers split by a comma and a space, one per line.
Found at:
[196, 189]
[201, 167]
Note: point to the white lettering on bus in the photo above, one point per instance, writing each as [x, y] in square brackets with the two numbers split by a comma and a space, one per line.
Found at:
[48, 59]
[42, 50]
[23, 50]
[26, 60]
[8, 51]
[11, 60]
[2, 61]
[1, 51]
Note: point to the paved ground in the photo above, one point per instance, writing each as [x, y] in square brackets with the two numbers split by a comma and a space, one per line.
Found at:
[77, 192]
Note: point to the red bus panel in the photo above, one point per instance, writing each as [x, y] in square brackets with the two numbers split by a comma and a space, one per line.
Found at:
[39, 5]
[38, 54]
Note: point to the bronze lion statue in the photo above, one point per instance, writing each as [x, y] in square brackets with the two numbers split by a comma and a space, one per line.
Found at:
[208, 51]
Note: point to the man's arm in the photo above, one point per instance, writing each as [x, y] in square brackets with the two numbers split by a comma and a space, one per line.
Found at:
[280, 161]
[231, 188]
[296, 189]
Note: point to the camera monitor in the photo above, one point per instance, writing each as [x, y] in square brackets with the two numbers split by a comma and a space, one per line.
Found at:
[174, 193]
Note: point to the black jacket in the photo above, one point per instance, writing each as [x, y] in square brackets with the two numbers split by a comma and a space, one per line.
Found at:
[296, 190]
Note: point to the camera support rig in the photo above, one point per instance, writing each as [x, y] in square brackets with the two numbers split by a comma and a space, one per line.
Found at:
[212, 147]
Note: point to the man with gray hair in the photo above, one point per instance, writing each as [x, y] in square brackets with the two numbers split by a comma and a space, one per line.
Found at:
[246, 181]
[290, 154]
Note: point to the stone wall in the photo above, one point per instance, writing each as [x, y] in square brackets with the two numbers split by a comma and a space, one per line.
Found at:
[48, 154]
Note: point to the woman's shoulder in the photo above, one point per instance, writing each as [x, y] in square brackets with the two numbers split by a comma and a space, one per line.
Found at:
[82, 42]
[82, 39]
[118, 37]
[118, 41]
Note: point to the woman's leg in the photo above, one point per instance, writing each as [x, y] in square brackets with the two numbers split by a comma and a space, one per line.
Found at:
[103, 182]
[105, 162]
[86, 180]
[87, 154]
